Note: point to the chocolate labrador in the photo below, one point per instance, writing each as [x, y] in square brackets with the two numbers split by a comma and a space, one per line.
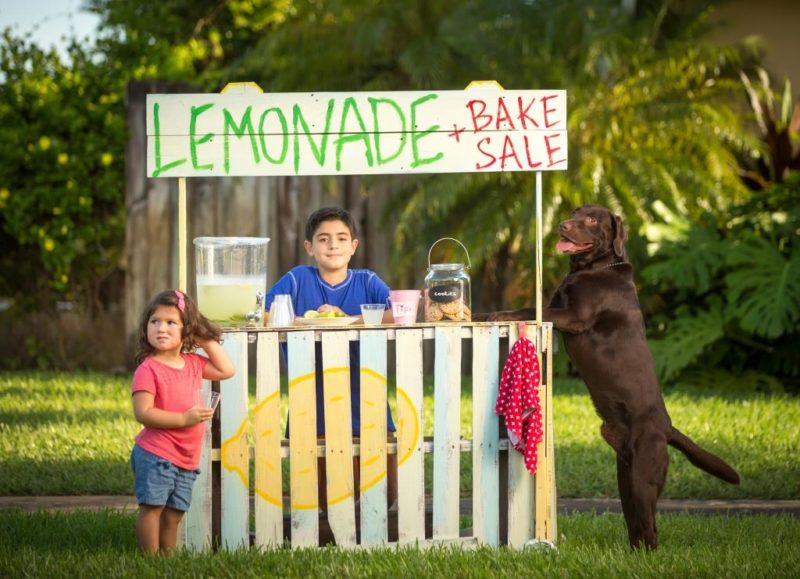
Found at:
[597, 311]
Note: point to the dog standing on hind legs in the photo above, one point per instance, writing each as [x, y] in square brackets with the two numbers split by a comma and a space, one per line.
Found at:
[597, 311]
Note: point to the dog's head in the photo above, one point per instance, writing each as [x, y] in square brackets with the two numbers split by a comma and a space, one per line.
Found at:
[593, 234]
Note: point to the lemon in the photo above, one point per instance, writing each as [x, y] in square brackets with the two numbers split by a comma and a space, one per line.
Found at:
[311, 314]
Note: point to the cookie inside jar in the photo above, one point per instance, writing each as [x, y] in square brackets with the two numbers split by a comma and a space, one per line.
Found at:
[447, 291]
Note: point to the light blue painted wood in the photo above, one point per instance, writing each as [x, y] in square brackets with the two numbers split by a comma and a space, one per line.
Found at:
[302, 439]
[485, 453]
[446, 431]
[197, 522]
[520, 486]
[374, 521]
[235, 526]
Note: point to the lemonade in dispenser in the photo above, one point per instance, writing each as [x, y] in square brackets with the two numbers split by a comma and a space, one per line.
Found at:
[231, 278]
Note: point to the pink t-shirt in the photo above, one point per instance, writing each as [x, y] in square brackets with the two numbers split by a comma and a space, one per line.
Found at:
[174, 390]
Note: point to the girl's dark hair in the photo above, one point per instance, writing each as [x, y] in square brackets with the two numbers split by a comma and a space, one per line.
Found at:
[195, 325]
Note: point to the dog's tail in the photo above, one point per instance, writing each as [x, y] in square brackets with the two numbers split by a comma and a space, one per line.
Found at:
[703, 459]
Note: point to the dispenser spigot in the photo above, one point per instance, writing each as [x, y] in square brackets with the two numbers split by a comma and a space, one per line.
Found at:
[258, 313]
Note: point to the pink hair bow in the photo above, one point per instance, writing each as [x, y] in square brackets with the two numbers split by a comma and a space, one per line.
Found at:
[181, 301]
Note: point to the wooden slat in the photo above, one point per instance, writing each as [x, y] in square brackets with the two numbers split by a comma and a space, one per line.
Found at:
[338, 437]
[410, 458]
[267, 431]
[485, 426]
[545, 476]
[373, 485]
[235, 456]
[303, 440]
[520, 487]
[197, 522]
[446, 432]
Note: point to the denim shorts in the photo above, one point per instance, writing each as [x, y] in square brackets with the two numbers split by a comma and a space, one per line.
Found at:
[159, 482]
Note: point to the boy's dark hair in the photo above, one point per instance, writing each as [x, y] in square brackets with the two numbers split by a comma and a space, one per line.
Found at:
[329, 214]
[195, 325]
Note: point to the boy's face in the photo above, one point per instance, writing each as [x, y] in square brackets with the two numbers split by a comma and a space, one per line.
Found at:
[332, 245]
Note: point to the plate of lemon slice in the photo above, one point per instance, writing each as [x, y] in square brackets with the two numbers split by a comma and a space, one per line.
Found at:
[312, 318]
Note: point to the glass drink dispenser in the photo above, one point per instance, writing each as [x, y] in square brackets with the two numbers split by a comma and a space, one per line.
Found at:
[231, 278]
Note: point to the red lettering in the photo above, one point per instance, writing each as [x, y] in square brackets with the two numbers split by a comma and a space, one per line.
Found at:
[478, 166]
[523, 114]
[531, 164]
[479, 115]
[546, 111]
[502, 115]
[552, 150]
[508, 144]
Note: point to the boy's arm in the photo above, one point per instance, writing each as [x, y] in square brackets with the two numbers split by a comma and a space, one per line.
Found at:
[219, 366]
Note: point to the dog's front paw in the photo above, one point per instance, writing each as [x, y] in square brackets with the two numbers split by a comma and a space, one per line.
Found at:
[493, 317]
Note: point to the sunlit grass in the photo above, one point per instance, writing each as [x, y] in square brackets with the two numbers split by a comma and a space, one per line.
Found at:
[72, 434]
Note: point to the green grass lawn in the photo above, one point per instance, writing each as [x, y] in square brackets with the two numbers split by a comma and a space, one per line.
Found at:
[72, 434]
[101, 544]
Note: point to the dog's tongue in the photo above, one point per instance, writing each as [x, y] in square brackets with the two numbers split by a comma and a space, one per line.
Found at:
[564, 246]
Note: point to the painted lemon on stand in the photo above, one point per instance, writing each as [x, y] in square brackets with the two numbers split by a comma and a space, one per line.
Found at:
[268, 448]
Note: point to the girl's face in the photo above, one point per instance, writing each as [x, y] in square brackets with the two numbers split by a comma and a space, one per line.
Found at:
[165, 329]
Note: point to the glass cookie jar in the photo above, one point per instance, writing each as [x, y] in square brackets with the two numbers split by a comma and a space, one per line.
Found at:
[447, 289]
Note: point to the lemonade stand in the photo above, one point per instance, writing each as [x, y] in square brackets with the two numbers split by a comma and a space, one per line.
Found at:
[243, 131]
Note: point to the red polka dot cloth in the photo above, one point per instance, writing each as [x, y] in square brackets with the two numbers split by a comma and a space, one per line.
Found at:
[518, 401]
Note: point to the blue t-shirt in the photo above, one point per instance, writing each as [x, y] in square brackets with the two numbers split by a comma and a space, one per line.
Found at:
[309, 291]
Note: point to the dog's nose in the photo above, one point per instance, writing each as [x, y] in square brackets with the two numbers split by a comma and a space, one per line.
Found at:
[565, 225]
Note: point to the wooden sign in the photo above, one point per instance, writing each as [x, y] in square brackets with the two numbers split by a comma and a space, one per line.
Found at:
[471, 131]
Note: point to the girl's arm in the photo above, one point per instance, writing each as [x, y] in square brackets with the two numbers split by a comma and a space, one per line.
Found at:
[148, 415]
[219, 365]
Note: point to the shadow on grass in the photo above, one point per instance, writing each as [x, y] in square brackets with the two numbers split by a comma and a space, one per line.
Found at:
[64, 476]
[54, 532]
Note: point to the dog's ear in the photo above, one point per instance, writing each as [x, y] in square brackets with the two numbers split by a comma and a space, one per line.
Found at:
[620, 236]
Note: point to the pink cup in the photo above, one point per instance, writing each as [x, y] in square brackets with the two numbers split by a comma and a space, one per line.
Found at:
[404, 305]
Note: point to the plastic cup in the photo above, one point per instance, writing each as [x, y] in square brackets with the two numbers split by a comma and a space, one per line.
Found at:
[372, 314]
[404, 305]
[212, 399]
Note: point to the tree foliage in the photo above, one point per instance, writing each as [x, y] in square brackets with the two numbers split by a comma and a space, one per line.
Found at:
[725, 295]
[62, 138]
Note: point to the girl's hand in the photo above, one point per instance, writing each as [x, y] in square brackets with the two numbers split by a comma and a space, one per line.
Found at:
[197, 414]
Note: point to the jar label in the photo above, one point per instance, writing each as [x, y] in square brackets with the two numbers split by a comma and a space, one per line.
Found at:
[445, 293]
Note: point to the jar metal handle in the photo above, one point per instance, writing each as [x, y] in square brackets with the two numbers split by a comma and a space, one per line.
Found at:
[469, 264]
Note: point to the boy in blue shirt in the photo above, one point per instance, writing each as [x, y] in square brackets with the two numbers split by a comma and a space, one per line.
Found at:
[332, 286]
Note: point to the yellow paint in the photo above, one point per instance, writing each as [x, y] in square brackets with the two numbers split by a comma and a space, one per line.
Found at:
[234, 454]
[303, 464]
[407, 414]
[303, 472]
[338, 433]
[492, 84]
[241, 88]
[268, 438]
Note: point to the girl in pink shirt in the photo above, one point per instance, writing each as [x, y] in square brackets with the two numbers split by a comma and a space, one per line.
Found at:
[166, 390]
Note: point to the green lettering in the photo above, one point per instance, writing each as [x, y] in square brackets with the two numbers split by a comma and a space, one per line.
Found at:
[284, 134]
[319, 153]
[245, 126]
[193, 141]
[157, 126]
[374, 104]
[350, 104]
[416, 136]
